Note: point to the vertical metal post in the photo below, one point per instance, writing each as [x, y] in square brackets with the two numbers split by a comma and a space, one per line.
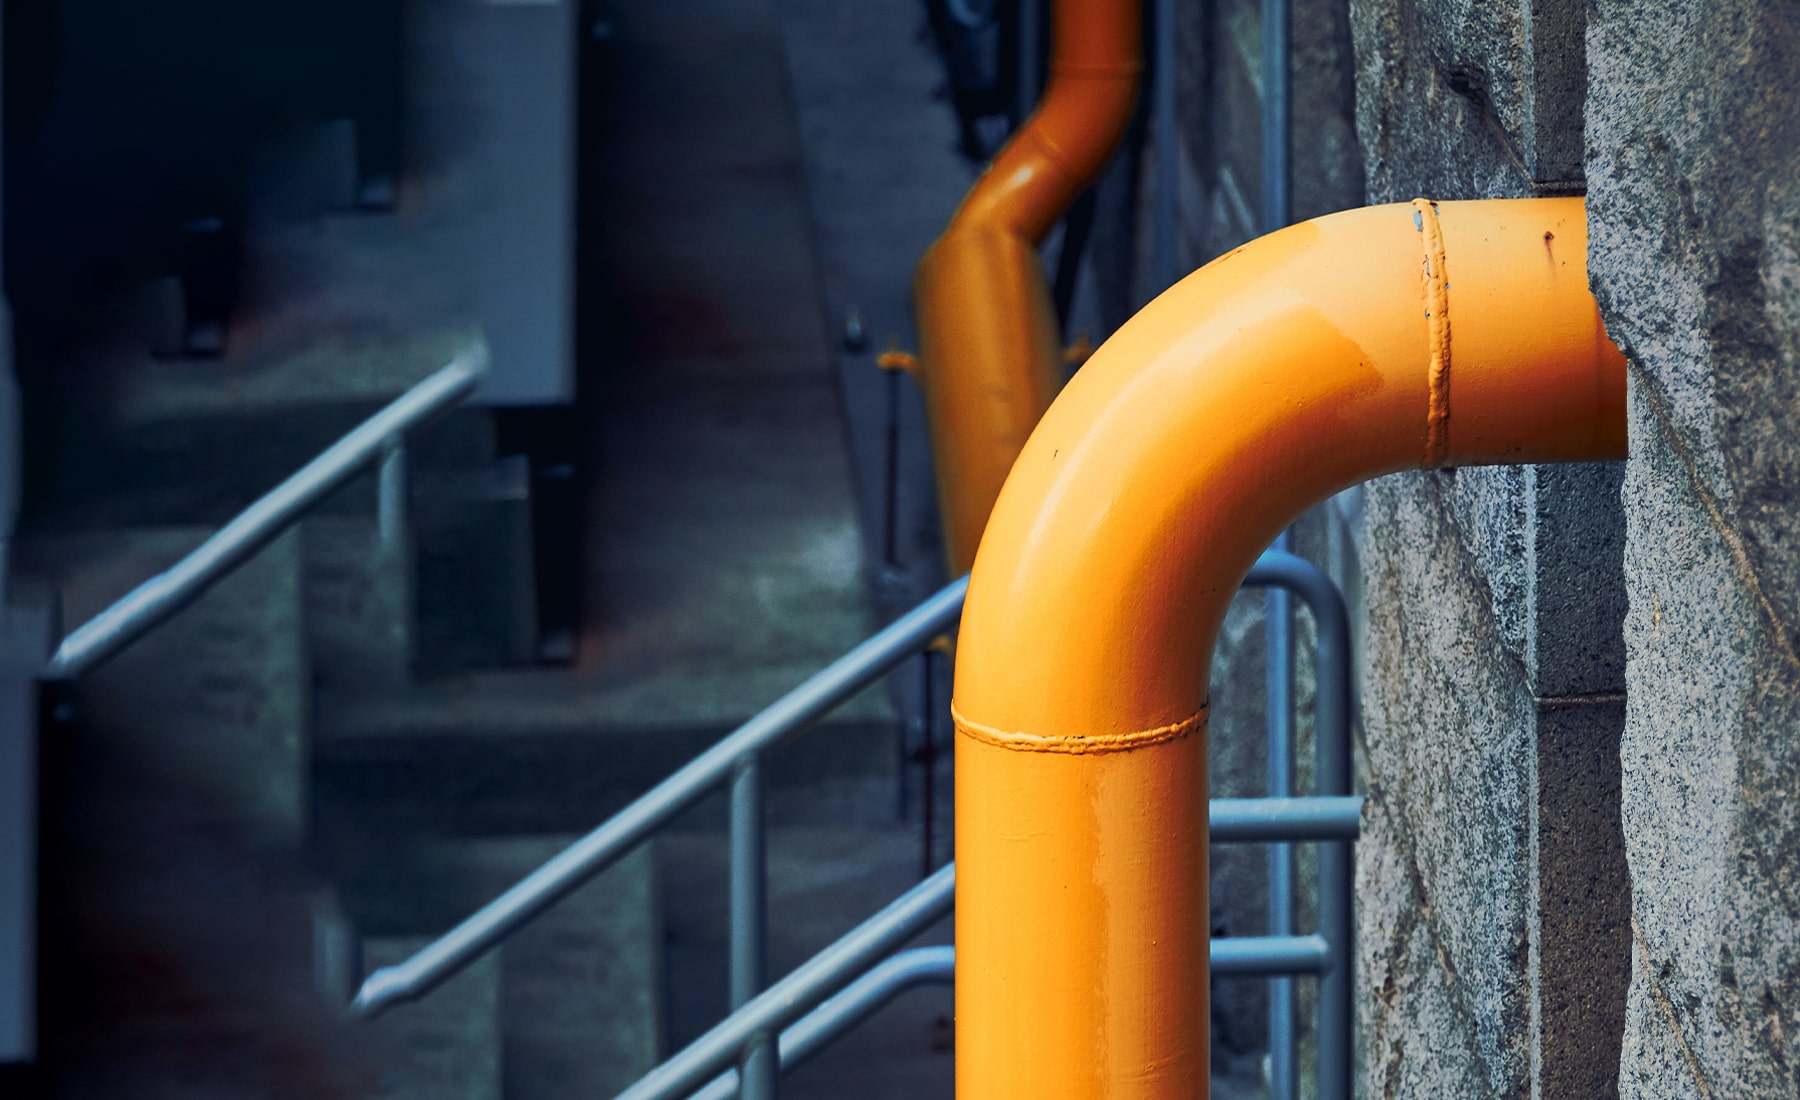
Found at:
[928, 760]
[391, 496]
[393, 543]
[760, 1066]
[1284, 1081]
[1337, 868]
[1277, 212]
[890, 528]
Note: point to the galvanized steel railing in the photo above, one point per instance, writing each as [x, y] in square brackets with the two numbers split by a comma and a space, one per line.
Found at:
[750, 1034]
[1334, 776]
[836, 970]
[736, 757]
[380, 438]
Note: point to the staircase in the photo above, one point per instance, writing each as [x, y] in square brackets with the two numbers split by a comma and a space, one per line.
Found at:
[354, 740]
[350, 742]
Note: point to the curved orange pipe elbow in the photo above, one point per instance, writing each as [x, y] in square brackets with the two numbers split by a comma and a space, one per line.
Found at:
[1376, 340]
[989, 359]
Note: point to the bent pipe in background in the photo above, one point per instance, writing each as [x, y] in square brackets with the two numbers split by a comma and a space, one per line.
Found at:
[1395, 337]
[989, 358]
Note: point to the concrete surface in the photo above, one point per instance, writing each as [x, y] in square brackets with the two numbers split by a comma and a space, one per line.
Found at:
[1694, 174]
[448, 1045]
[725, 552]
[577, 995]
[217, 700]
[822, 883]
[1468, 98]
[359, 622]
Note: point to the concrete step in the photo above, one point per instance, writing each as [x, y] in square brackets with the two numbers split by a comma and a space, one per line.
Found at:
[533, 751]
[359, 606]
[476, 594]
[101, 473]
[216, 699]
[447, 1046]
[457, 596]
[580, 988]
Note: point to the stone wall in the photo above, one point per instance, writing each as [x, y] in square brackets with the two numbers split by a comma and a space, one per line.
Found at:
[1694, 203]
[1494, 901]
[1578, 683]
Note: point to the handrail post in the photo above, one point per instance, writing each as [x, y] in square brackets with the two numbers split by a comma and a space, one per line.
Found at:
[392, 496]
[165, 594]
[1332, 742]
[759, 1067]
[1277, 212]
[1278, 626]
[394, 542]
[1337, 860]
[596, 851]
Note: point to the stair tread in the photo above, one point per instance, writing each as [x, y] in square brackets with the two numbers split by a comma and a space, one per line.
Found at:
[215, 697]
[579, 997]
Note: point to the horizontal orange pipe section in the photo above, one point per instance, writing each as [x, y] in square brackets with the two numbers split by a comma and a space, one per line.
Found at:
[989, 359]
[1382, 339]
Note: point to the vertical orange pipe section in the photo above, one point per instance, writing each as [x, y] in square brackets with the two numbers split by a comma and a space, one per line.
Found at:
[989, 358]
[1375, 340]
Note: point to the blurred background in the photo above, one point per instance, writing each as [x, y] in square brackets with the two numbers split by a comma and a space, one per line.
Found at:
[684, 232]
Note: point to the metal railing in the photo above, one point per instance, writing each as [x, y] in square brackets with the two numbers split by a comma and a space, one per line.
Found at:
[750, 1033]
[857, 1001]
[1331, 819]
[1334, 777]
[736, 757]
[381, 438]
[848, 968]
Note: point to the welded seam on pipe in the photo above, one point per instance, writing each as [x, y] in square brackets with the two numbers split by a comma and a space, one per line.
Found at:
[1079, 743]
[1437, 320]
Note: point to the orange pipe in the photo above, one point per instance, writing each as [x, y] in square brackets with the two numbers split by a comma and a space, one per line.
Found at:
[1389, 338]
[989, 361]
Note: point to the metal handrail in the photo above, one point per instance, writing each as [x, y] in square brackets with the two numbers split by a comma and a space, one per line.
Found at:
[857, 1001]
[599, 849]
[379, 437]
[1254, 956]
[738, 757]
[1334, 1048]
[791, 997]
[790, 1004]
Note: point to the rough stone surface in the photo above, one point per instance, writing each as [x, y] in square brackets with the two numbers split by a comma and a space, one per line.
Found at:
[1694, 166]
[1219, 90]
[1493, 889]
[1468, 98]
[1442, 867]
[1493, 922]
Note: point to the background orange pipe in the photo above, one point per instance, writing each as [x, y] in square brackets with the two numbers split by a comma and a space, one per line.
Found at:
[1317, 357]
[989, 359]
